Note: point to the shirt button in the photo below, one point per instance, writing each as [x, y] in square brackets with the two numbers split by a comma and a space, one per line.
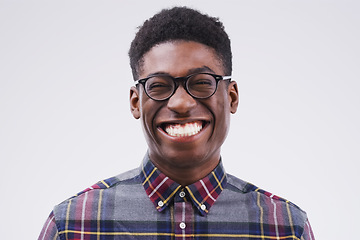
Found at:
[203, 207]
[182, 225]
[182, 194]
[160, 203]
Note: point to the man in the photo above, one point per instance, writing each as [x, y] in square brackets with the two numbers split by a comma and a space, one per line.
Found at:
[183, 95]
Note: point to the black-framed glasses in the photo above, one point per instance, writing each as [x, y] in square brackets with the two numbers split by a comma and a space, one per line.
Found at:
[199, 85]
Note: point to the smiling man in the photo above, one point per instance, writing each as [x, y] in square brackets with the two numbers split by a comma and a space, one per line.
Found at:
[183, 96]
[185, 120]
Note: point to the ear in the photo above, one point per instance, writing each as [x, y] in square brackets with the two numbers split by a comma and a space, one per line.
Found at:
[135, 102]
[233, 94]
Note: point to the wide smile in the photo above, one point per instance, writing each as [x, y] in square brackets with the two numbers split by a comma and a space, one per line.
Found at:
[182, 130]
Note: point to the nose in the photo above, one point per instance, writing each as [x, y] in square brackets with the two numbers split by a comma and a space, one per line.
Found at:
[181, 102]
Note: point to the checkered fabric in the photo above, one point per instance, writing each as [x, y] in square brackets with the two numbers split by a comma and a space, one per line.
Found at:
[146, 204]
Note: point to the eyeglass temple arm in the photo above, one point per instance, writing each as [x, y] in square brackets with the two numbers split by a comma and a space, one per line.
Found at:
[226, 78]
[137, 82]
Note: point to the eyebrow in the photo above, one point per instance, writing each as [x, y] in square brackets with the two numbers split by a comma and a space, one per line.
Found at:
[202, 69]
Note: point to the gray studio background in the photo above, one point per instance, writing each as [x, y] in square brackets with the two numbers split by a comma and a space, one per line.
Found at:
[65, 121]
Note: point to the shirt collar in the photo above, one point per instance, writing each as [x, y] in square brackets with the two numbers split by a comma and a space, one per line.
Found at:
[162, 190]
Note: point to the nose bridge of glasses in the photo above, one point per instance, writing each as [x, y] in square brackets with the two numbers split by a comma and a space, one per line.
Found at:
[181, 101]
[179, 81]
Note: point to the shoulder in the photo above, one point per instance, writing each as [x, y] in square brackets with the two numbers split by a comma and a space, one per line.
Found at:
[264, 201]
[107, 188]
[110, 183]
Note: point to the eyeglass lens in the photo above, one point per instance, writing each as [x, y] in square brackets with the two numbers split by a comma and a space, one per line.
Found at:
[198, 85]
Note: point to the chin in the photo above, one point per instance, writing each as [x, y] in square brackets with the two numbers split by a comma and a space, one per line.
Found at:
[186, 159]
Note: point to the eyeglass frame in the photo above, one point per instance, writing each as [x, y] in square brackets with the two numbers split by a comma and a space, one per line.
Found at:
[176, 81]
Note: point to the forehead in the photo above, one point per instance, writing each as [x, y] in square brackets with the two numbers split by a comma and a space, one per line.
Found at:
[179, 58]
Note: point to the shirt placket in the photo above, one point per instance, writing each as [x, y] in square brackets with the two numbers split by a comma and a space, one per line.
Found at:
[184, 215]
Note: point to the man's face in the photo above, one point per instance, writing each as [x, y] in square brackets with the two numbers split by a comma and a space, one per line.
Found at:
[202, 124]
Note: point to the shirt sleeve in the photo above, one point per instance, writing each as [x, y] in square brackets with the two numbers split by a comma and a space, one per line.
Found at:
[308, 233]
[49, 231]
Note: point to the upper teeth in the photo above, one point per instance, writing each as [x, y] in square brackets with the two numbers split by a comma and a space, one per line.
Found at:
[182, 130]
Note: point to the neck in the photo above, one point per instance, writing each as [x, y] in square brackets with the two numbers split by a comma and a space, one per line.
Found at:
[187, 174]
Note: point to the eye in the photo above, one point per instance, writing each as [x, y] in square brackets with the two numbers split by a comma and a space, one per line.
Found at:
[155, 85]
[159, 85]
[202, 82]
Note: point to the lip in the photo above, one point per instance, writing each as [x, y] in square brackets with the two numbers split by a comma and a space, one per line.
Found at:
[161, 128]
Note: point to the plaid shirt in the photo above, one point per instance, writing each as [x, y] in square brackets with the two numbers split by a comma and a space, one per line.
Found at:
[219, 206]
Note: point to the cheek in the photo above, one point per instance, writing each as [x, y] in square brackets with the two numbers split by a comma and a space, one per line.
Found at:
[146, 114]
[148, 111]
[222, 113]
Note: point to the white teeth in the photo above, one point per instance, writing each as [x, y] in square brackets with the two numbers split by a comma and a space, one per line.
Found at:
[182, 130]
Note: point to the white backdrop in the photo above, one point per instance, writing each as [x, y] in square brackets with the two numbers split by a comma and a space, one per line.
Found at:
[65, 121]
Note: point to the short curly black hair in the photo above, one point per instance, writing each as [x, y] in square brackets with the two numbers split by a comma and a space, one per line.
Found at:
[180, 23]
